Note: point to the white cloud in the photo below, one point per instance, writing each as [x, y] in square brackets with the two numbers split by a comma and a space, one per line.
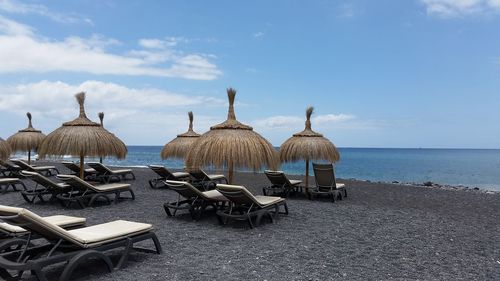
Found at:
[258, 34]
[16, 7]
[132, 113]
[22, 51]
[287, 122]
[459, 8]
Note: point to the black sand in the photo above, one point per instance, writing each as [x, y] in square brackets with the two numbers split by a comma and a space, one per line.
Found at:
[380, 232]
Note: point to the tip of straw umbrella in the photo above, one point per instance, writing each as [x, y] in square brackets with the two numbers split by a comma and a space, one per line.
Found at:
[231, 94]
[190, 114]
[29, 120]
[101, 117]
[309, 112]
[80, 97]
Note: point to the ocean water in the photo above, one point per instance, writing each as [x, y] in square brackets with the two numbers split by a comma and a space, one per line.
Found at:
[468, 167]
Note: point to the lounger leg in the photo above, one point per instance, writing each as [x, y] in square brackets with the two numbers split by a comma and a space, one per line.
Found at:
[157, 243]
[125, 254]
[167, 210]
[82, 257]
[249, 220]
[345, 192]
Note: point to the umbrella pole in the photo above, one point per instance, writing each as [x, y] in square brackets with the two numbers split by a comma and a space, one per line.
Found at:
[82, 167]
[307, 176]
[100, 159]
[29, 157]
[230, 176]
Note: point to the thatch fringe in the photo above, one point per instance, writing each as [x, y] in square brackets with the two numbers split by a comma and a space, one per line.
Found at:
[4, 150]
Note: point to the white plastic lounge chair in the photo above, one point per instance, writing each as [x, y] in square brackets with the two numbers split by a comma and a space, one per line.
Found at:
[244, 205]
[82, 191]
[71, 248]
[106, 174]
[194, 200]
[44, 170]
[280, 184]
[165, 174]
[326, 183]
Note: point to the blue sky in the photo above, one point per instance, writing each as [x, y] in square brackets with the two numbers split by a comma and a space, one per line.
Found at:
[415, 73]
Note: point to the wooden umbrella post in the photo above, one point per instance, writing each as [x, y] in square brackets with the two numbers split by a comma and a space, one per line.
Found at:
[307, 176]
[82, 167]
[29, 157]
[230, 176]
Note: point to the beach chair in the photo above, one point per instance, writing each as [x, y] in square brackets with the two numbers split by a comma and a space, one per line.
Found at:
[106, 174]
[68, 248]
[43, 186]
[67, 222]
[82, 191]
[280, 184]
[245, 206]
[12, 182]
[326, 184]
[44, 170]
[9, 169]
[192, 199]
[165, 174]
[205, 180]
[88, 173]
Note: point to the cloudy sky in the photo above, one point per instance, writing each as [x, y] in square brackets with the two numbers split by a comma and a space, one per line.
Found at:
[415, 73]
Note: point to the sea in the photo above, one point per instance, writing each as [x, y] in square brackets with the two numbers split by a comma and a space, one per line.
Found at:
[458, 167]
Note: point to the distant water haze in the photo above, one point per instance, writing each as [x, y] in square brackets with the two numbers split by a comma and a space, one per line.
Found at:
[468, 167]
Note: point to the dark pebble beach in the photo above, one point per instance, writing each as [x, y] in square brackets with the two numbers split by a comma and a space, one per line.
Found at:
[379, 232]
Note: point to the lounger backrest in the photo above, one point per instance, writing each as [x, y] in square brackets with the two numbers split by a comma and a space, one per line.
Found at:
[237, 194]
[199, 175]
[22, 164]
[72, 166]
[277, 178]
[36, 224]
[41, 180]
[75, 181]
[100, 168]
[162, 171]
[185, 189]
[324, 176]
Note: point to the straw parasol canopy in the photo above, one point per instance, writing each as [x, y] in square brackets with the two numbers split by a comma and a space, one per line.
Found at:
[232, 144]
[308, 145]
[4, 150]
[179, 147]
[27, 139]
[82, 137]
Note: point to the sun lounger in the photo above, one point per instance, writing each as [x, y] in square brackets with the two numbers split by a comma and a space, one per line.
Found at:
[69, 248]
[13, 182]
[81, 191]
[244, 205]
[205, 180]
[67, 222]
[9, 169]
[280, 184]
[87, 173]
[165, 174]
[44, 170]
[194, 200]
[43, 186]
[106, 174]
[326, 184]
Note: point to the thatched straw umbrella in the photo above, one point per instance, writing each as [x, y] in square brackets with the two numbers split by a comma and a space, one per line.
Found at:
[308, 145]
[4, 149]
[27, 139]
[232, 144]
[82, 137]
[179, 147]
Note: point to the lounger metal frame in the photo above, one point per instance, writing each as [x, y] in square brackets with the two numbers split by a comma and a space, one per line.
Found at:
[13, 183]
